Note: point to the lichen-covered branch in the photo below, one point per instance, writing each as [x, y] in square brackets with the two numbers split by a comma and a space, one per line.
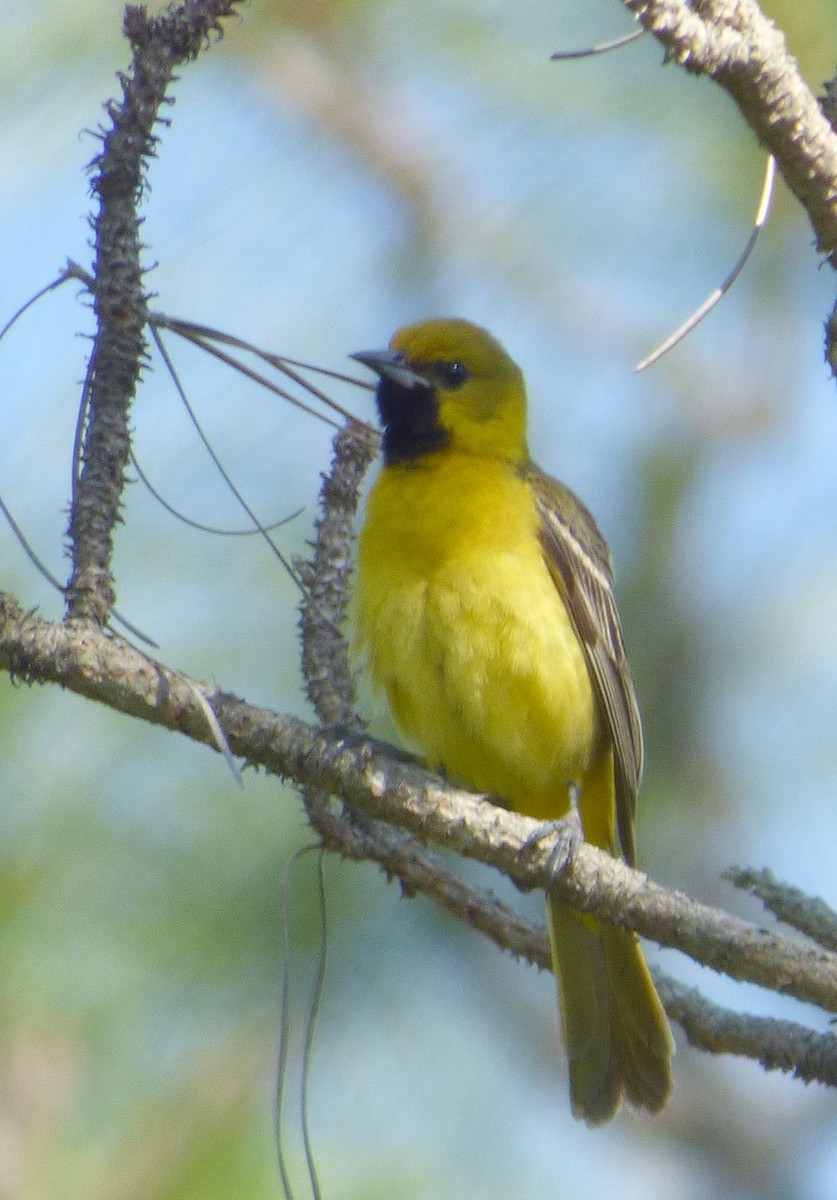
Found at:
[159, 44]
[385, 792]
[369, 778]
[734, 43]
[325, 664]
[779, 1045]
[809, 914]
[776, 1044]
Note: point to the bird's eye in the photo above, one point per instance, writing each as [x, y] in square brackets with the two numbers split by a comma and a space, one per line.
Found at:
[454, 373]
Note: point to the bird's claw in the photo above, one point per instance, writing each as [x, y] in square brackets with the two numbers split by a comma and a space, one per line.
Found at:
[567, 836]
[345, 735]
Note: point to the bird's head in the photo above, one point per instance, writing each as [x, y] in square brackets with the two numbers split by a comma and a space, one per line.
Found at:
[448, 384]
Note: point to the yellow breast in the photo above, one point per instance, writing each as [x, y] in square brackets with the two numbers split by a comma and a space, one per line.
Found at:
[460, 624]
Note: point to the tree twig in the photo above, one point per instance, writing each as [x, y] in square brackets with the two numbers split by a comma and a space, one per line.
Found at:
[371, 779]
[777, 1044]
[106, 668]
[158, 45]
[808, 914]
[325, 664]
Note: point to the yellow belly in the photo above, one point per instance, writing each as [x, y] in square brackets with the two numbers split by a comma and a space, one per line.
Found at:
[460, 624]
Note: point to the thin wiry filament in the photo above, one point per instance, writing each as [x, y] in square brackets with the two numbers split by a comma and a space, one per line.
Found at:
[712, 299]
[284, 1027]
[27, 304]
[55, 582]
[27, 549]
[285, 1022]
[81, 421]
[203, 336]
[600, 48]
[219, 465]
[310, 1029]
[199, 525]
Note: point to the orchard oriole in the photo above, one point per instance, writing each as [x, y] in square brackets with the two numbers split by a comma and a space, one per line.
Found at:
[484, 611]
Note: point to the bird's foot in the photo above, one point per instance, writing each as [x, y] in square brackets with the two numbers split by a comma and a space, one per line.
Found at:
[346, 735]
[566, 835]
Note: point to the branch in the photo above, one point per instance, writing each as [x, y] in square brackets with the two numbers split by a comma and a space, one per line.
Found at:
[325, 663]
[158, 44]
[808, 914]
[375, 784]
[734, 43]
[373, 780]
[776, 1044]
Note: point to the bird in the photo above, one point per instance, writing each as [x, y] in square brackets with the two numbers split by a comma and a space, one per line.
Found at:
[484, 612]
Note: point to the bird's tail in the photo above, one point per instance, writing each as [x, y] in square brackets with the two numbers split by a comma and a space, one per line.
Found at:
[616, 1032]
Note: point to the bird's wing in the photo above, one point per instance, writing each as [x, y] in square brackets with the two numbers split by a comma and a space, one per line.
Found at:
[579, 560]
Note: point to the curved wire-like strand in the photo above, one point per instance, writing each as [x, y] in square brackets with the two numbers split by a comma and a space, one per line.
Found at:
[27, 304]
[284, 1026]
[44, 570]
[78, 435]
[218, 735]
[203, 336]
[281, 361]
[340, 376]
[313, 1013]
[219, 465]
[175, 512]
[133, 629]
[709, 303]
[600, 48]
[189, 329]
[285, 1016]
[27, 549]
[256, 376]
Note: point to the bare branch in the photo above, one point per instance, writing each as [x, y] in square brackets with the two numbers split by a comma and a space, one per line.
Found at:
[808, 914]
[325, 664]
[158, 45]
[734, 43]
[372, 780]
[777, 1045]
[104, 667]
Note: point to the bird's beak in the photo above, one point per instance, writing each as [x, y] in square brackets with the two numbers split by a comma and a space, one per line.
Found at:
[390, 364]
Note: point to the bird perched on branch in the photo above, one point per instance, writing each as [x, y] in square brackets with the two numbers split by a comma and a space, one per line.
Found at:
[484, 611]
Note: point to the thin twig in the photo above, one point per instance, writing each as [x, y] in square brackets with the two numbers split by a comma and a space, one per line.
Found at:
[371, 781]
[325, 661]
[778, 1045]
[216, 530]
[159, 44]
[809, 914]
[204, 337]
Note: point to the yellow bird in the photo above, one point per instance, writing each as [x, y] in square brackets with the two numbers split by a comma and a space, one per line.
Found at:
[484, 611]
